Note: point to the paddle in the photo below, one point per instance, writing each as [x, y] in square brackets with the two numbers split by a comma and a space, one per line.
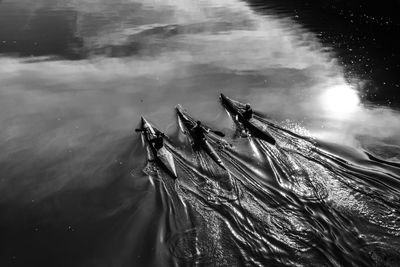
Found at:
[162, 134]
[221, 134]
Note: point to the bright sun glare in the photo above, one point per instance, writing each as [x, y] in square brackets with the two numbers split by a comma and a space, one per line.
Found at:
[340, 99]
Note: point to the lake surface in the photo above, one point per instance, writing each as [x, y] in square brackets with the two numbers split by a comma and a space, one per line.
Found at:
[76, 188]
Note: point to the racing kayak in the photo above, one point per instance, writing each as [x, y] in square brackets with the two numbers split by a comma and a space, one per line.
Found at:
[236, 108]
[188, 124]
[162, 156]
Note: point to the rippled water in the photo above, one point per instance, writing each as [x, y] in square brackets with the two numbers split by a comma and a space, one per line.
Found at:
[76, 188]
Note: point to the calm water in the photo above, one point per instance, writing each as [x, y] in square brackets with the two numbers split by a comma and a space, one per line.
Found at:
[76, 188]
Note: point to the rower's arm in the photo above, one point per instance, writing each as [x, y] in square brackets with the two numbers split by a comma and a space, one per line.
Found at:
[192, 129]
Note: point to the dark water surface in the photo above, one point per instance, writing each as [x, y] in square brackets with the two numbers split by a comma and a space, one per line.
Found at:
[363, 35]
[76, 188]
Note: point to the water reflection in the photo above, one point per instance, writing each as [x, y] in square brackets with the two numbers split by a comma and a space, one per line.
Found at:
[341, 100]
[67, 126]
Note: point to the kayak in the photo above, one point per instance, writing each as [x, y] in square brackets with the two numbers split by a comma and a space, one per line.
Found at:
[188, 124]
[162, 156]
[256, 130]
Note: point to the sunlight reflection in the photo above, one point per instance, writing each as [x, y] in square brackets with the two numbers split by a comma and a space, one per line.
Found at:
[256, 152]
[340, 100]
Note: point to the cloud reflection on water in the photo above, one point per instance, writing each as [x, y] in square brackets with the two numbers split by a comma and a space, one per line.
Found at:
[67, 126]
[282, 70]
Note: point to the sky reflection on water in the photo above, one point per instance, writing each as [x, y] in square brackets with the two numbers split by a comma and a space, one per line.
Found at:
[65, 123]
[187, 53]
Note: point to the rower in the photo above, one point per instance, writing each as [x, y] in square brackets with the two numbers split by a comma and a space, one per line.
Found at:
[198, 133]
[158, 141]
[247, 113]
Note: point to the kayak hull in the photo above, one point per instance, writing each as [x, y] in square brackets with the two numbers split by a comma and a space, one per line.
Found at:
[162, 156]
[256, 130]
[212, 153]
[188, 124]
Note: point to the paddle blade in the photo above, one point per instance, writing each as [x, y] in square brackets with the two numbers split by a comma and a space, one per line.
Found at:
[221, 134]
